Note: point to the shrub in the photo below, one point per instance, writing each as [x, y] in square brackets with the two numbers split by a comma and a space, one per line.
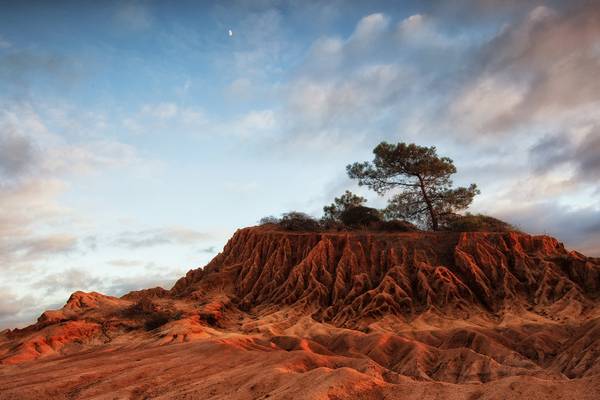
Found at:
[360, 216]
[331, 225]
[298, 221]
[397, 225]
[269, 220]
[477, 223]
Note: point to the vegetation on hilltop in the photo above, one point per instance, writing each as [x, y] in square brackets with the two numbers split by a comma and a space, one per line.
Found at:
[420, 194]
[419, 181]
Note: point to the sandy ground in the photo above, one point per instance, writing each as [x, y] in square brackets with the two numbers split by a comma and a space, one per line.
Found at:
[232, 370]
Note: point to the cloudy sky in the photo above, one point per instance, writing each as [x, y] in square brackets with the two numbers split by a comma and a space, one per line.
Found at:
[135, 137]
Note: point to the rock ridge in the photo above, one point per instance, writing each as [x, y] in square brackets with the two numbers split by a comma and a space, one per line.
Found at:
[351, 276]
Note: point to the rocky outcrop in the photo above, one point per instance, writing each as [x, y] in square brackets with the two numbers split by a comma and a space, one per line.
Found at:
[355, 277]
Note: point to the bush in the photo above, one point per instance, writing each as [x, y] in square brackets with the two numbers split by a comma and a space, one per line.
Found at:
[269, 220]
[298, 221]
[360, 216]
[477, 223]
[397, 225]
[331, 225]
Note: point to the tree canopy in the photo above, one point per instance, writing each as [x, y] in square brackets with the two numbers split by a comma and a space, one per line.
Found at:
[419, 180]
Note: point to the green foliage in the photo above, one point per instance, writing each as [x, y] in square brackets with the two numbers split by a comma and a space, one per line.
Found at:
[340, 204]
[299, 221]
[477, 223]
[360, 216]
[421, 178]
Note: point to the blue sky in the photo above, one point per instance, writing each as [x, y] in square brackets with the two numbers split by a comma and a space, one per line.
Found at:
[135, 137]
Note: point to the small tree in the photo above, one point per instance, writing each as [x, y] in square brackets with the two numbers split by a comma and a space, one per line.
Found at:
[340, 204]
[423, 178]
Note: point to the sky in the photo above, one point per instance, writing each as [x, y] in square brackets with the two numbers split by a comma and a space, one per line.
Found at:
[136, 137]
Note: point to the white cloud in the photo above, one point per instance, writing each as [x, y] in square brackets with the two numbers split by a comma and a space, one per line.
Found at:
[575, 152]
[174, 235]
[420, 31]
[132, 125]
[487, 100]
[255, 123]
[126, 263]
[160, 111]
[550, 58]
[46, 245]
[133, 15]
[156, 118]
[258, 46]
[15, 310]
[4, 44]
[90, 157]
[153, 118]
[37, 229]
[578, 227]
[241, 188]
[27, 208]
[329, 55]
[30, 200]
[240, 88]
[346, 101]
[412, 23]
[369, 29]
[541, 13]
[16, 153]
[326, 47]
[68, 280]
[25, 132]
[192, 117]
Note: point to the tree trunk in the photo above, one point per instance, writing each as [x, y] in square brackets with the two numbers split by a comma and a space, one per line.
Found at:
[432, 213]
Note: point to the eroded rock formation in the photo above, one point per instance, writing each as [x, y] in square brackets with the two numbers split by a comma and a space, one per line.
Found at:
[439, 306]
[351, 278]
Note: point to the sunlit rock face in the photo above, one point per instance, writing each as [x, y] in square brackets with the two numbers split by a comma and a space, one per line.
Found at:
[354, 278]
